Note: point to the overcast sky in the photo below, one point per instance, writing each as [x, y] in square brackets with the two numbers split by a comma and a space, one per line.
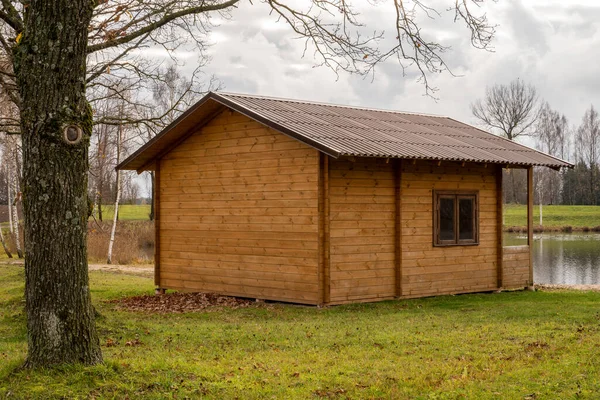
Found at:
[552, 44]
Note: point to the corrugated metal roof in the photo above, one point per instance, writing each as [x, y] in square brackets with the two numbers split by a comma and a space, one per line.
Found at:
[351, 131]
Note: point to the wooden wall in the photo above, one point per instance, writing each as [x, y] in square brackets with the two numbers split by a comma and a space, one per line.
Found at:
[429, 270]
[247, 211]
[239, 213]
[515, 260]
[362, 234]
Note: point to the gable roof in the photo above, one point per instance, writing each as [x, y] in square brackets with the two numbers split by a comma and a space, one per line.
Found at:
[349, 131]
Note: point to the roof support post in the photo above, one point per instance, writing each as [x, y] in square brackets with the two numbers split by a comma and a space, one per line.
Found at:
[324, 232]
[157, 227]
[499, 227]
[398, 226]
[530, 224]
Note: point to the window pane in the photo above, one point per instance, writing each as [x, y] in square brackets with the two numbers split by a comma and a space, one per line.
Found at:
[465, 219]
[446, 219]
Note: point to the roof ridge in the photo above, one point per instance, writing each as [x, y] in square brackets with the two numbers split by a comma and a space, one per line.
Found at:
[284, 99]
[369, 132]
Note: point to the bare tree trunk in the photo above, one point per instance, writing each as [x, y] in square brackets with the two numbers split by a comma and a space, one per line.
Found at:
[514, 187]
[592, 191]
[151, 196]
[115, 219]
[100, 209]
[541, 202]
[6, 250]
[13, 199]
[100, 179]
[16, 234]
[95, 207]
[118, 198]
[10, 216]
[56, 124]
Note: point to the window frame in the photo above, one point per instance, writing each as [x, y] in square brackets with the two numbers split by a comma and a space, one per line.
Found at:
[456, 195]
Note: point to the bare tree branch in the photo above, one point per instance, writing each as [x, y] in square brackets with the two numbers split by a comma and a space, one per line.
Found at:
[509, 109]
[169, 16]
[11, 15]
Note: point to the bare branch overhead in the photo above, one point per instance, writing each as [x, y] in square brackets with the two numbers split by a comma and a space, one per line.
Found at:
[146, 17]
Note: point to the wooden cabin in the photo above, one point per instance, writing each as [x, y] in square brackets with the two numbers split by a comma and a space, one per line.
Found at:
[322, 204]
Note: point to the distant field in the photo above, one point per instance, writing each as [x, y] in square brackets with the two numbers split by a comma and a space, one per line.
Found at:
[514, 215]
[553, 216]
[127, 212]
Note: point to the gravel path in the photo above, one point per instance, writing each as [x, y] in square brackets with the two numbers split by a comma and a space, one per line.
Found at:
[145, 270]
[592, 288]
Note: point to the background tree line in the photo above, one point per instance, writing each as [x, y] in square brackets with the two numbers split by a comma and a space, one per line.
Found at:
[515, 112]
[128, 113]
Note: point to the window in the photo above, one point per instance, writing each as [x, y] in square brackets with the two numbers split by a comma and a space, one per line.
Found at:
[455, 218]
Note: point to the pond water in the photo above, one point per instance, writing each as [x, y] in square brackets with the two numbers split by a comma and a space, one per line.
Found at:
[563, 258]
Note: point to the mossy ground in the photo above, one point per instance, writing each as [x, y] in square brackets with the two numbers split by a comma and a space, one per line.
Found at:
[511, 345]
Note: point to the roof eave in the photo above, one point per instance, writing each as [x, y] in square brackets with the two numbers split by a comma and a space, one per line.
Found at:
[130, 162]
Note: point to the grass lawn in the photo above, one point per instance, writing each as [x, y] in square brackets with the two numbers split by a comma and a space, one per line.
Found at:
[499, 346]
[553, 216]
[127, 212]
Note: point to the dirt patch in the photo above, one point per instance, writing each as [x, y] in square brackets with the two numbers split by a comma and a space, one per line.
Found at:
[184, 302]
[550, 287]
[146, 270]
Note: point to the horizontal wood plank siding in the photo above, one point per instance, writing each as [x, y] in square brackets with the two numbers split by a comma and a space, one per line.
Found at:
[515, 262]
[429, 270]
[362, 226]
[239, 213]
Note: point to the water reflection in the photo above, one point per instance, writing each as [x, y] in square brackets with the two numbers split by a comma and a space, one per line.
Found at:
[563, 258]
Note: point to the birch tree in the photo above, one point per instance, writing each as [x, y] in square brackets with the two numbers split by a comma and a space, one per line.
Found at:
[57, 48]
[117, 200]
[3, 197]
[552, 137]
[13, 170]
[14, 212]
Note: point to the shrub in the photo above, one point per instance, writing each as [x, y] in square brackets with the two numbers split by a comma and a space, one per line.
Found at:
[134, 242]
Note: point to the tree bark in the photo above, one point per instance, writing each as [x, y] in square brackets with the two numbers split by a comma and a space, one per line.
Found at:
[50, 65]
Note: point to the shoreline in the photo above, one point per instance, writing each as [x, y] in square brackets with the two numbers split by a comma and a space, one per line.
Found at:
[541, 228]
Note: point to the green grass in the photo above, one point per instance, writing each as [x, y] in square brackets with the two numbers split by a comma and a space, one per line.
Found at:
[127, 212]
[485, 346]
[553, 216]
